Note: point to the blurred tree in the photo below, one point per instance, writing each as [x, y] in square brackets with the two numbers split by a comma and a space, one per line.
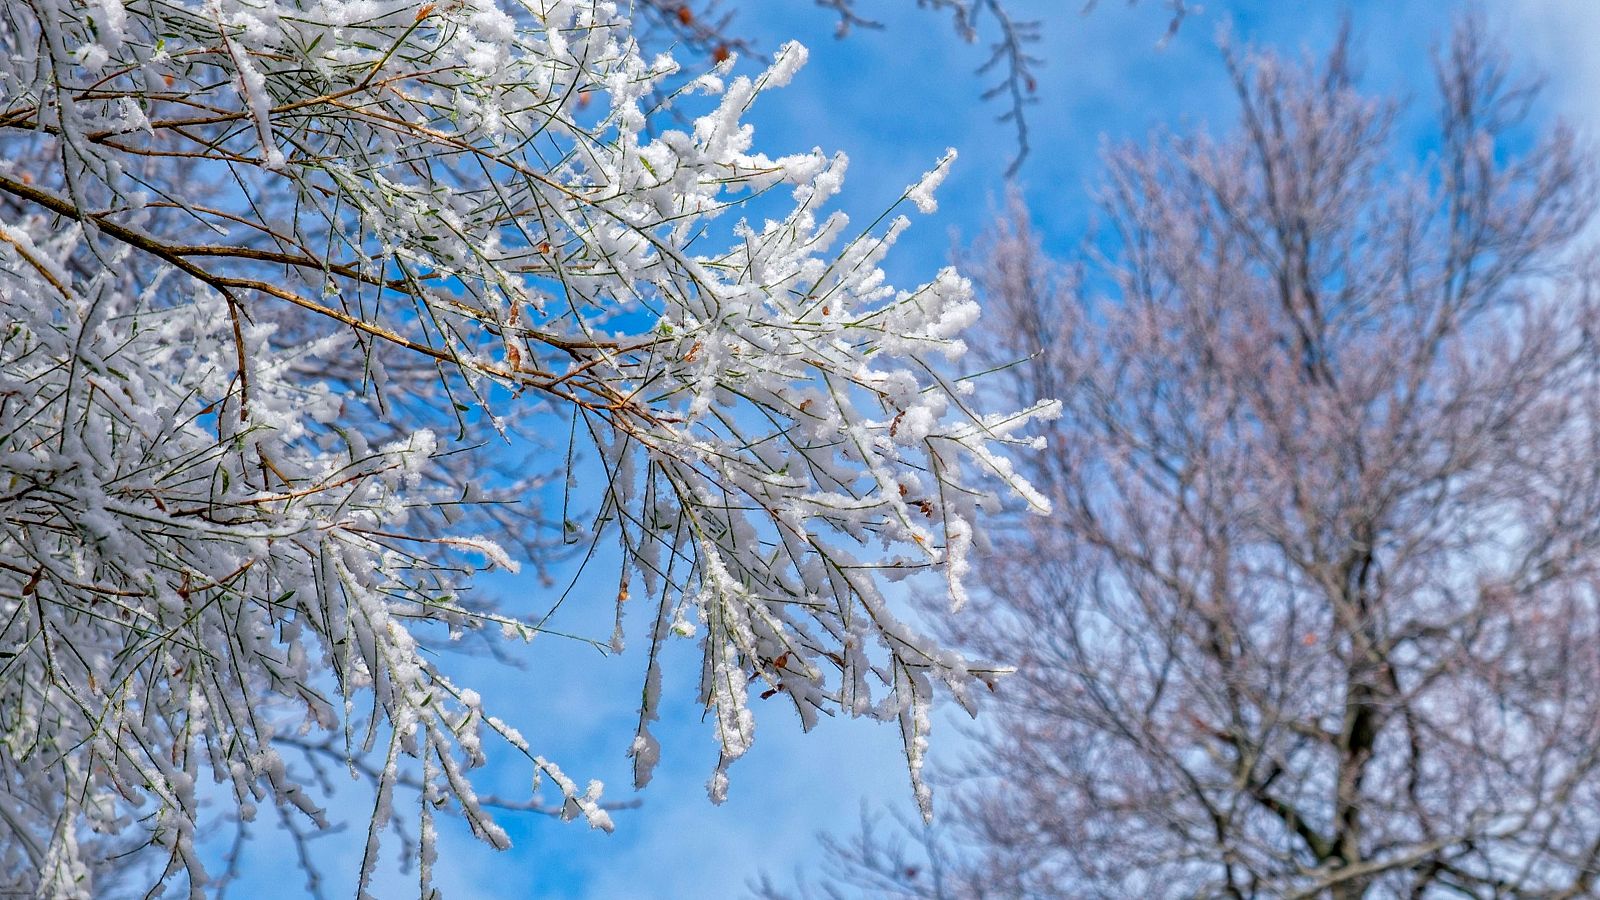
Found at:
[1318, 612]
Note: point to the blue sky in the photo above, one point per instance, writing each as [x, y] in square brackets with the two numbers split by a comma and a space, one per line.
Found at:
[893, 100]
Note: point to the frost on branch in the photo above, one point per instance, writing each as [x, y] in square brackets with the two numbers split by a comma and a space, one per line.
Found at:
[271, 271]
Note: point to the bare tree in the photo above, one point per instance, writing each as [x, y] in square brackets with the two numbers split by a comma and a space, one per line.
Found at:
[1317, 614]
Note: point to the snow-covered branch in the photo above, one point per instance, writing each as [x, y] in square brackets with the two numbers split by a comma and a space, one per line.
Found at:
[270, 271]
